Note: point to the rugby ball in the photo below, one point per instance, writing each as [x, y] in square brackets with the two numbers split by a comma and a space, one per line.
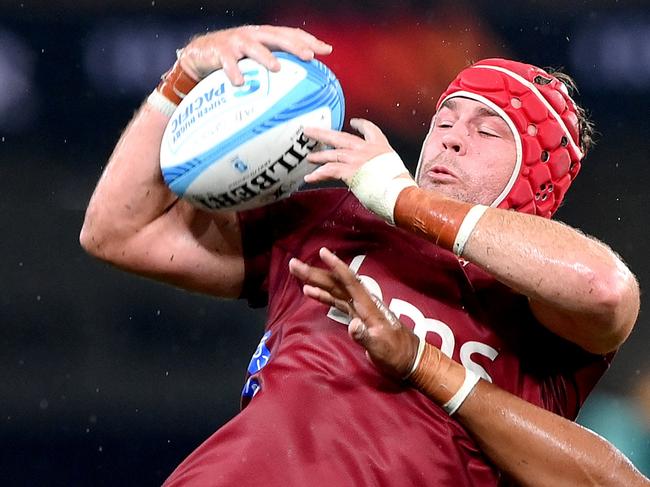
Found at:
[240, 147]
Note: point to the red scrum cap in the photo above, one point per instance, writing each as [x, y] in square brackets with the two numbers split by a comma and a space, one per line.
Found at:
[544, 121]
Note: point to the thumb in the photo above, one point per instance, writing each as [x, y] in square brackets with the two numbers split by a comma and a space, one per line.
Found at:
[359, 332]
[369, 130]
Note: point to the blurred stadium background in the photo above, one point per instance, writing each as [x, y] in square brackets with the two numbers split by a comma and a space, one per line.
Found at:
[108, 379]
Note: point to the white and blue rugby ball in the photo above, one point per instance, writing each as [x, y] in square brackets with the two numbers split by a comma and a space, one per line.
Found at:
[239, 147]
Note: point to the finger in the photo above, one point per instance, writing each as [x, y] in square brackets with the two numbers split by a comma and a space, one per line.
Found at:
[326, 298]
[362, 301]
[334, 138]
[329, 156]
[369, 130]
[319, 278]
[318, 45]
[318, 294]
[358, 330]
[298, 36]
[327, 172]
[294, 40]
[262, 55]
[230, 67]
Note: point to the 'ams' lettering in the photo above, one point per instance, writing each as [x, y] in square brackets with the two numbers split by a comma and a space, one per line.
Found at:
[423, 325]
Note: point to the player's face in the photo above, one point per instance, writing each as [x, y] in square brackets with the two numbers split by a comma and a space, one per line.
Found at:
[469, 153]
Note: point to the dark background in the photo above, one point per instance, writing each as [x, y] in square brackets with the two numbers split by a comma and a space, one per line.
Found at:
[110, 379]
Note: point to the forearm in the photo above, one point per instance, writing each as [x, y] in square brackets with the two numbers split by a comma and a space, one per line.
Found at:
[533, 446]
[533, 255]
[131, 192]
[538, 448]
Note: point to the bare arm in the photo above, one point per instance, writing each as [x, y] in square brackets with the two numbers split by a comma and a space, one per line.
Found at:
[539, 448]
[134, 221]
[578, 287]
[533, 446]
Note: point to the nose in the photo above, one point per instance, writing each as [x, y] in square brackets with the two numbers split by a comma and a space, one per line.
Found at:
[455, 139]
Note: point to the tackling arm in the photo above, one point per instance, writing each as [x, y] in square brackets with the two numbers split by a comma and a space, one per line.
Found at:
[539, 448]
[533, 446]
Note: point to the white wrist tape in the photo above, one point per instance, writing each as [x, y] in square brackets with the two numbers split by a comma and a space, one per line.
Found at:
[471, 379]
[377, 186]
[161, 103]
[467, 227]
[418, 356]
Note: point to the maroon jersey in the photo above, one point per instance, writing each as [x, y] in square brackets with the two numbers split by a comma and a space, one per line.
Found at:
[317, 413]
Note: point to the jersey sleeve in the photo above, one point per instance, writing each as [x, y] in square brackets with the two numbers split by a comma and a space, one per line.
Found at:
[568, 373]
[566, 392]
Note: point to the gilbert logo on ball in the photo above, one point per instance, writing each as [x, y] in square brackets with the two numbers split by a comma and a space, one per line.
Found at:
[239, 147]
